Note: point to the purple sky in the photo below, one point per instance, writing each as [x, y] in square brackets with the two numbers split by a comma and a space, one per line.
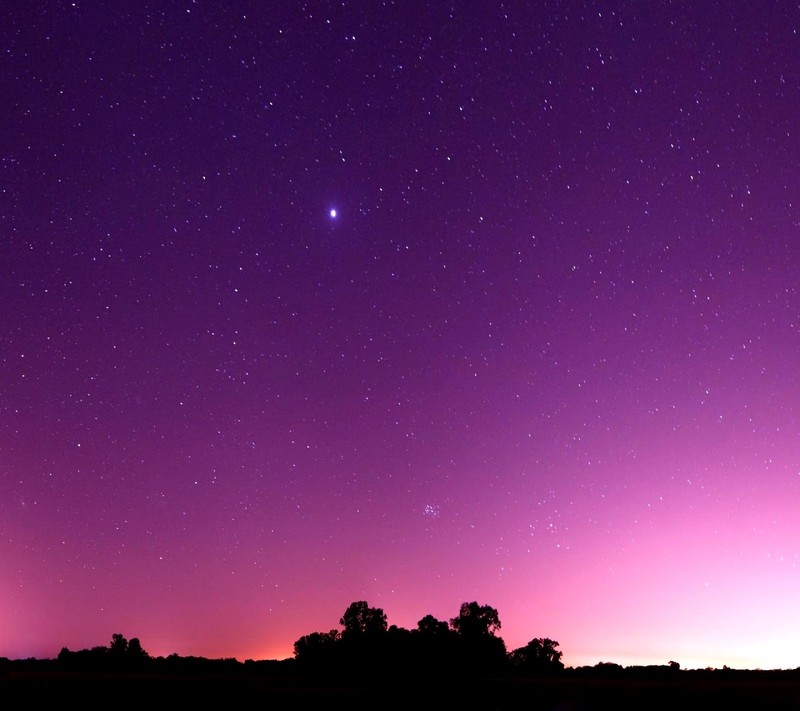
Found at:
[544, 356]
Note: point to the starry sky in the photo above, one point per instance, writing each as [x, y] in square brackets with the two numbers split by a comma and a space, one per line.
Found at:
[411, 303]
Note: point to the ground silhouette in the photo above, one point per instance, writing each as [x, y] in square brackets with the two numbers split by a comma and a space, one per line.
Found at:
[369, 663]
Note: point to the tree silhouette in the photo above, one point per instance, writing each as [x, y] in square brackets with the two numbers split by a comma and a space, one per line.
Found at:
[119, 655]
[367, 649]
[361, 619]
[135, 654]
[429, 625]
[539, 656]
[118, 647]
[476, 620]
[318, 649]
[436, 647]
[478, 649]
[364, 646]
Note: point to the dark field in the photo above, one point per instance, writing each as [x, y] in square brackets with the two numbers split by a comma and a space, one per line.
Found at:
[686, 690]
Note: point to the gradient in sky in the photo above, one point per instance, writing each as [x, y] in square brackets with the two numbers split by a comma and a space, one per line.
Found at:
[416, 304]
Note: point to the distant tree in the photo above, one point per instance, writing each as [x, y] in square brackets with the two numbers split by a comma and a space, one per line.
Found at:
[69, 660]
[119, 646]
[476, 620]
[399, 650]
[436, 647]
[135, 652]
[476, 648]
[539, 656]
[317, 649]
[609, 668]
[429, 625]
[368, 648]
[360, 619]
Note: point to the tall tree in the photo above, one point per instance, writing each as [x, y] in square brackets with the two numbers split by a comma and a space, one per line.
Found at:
[361, 619]
[478, 650]
[476, 620]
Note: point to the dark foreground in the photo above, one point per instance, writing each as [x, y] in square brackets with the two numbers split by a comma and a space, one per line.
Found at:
[685, 690]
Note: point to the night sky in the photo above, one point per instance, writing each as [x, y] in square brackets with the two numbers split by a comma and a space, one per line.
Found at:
[411, 303]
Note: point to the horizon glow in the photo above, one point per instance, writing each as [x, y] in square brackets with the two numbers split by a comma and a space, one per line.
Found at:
[548, 363]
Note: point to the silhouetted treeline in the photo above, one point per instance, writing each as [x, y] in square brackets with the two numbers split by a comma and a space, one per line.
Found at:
[467, 644]
[459, 663]
[120, 654]
[128, 656]
[367, 650]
